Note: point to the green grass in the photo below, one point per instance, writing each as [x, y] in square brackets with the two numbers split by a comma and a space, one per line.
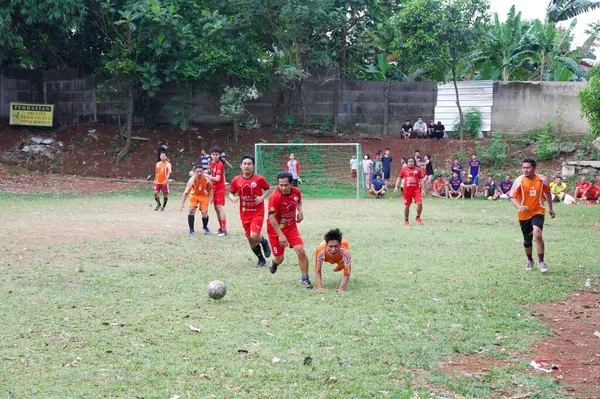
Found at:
[97, 294]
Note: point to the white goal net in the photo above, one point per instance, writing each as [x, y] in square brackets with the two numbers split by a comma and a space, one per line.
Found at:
[325, 169]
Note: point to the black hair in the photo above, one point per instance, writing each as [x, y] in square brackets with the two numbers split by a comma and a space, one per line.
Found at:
[409, 158]
[388, 149]
[368, 156]
[215, 149]
[333, 235]
[530, 161]
[417, 150]
[248, 156]
[285, 175]
[198, 166]
[428, 156]
[474, 154]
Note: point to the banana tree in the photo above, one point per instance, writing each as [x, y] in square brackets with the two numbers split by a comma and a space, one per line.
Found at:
[562, 10]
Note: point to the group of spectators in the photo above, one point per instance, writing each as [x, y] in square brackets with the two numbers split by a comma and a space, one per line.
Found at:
[422, 130]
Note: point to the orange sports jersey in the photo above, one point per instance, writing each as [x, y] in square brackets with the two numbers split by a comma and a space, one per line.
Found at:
[163, 171]
[342, 258]
[530, 193]
[198, 187]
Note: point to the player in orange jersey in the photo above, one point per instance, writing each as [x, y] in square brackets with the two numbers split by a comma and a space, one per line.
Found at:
[161, 181]
[527, 195]
[333, 250]
[251, 190]
[199, 188]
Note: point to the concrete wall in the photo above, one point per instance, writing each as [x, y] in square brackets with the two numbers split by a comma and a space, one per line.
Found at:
[522, 106]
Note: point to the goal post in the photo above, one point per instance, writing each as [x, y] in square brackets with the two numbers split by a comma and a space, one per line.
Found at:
[325, 168]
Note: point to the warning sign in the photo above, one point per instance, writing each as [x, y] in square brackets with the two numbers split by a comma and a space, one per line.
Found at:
[31, 114]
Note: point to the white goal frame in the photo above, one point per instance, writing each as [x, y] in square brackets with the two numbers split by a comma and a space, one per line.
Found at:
[357, 152]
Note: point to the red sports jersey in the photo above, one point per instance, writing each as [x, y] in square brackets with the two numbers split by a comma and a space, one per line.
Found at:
[285, 207]
[248, 190]
[412, 177]
[217, 169]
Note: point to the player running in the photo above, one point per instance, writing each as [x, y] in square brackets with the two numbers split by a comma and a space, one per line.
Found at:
[527, 195]
[200, 190]
[285, 211]
[161, 181]
[333, 250]
[249, 188]
[218, 181]
[412, 188]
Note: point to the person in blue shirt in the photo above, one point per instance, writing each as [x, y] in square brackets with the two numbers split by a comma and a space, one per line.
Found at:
[378, 187]
[474, 165]
[454, 185]
[505, 186]
[377, 164]
[456, 167]
[387, 165]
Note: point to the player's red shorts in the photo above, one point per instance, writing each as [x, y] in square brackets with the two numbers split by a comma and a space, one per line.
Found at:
[252, 222]
[201, 202]
[219, 197]
[291, 233]
[411, 193]
[164, 188]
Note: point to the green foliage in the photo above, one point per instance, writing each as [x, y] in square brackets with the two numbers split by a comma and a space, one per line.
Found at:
[547, 142]
[496, 154]
[290, 120]
[586, 150]
[562, 10]
[183, 108]
[472, 122]
[589, 98]
[233, 98]
[147, 108]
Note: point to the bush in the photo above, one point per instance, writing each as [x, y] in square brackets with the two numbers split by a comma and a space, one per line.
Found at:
[473, 122]
[548, 144]
[494, 155]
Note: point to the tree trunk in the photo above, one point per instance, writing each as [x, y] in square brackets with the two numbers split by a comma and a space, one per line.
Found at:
[236, 129]
[542, 67]
[504, 74]
[302, 105]
[460, 113]
[129, 122]
[342, 76]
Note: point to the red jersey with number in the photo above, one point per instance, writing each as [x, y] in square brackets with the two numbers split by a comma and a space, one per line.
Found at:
[217, 169]
[411, 176]
[249, 189]
[284, 206]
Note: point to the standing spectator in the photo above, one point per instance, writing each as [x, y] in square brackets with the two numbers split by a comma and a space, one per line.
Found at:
[420, 127]
[418, 157]
[378, 187]
[505, 186]
[431, 129]
[428, 173]
[225, 161]
[456, 167]
[387, 165]
[527, 195]
[454, 186]
[162, 149]
[582, 187]
[406, 129]
[474, 165]
[377, 164]
[293, 167]
[558, 189]
[440, 187]
[367, 165]
[468, 187]
[353, 166]
[402, 166]
[490, 190]
[205, 161]
[439, 131]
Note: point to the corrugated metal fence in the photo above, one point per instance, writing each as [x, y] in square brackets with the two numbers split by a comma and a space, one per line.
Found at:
[474, 94]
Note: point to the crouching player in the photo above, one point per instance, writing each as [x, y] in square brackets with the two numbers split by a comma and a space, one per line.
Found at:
[200, 191]
[333, 250]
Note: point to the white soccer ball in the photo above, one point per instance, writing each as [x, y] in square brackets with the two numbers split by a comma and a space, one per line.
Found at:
[216, 289]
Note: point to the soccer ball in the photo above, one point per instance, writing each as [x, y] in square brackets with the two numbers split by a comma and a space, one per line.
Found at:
[216, 289]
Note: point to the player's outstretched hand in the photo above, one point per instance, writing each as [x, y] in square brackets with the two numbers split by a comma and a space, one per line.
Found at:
[395, 189]
[523, 208]
[283, 241]
[299, 217]
[552, 214]
[258, 200]
[181, 208]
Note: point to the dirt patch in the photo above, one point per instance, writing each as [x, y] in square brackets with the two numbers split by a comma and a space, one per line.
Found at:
[572, 347]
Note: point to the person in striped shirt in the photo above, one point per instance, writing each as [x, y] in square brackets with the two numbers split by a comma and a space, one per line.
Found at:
[334, 250]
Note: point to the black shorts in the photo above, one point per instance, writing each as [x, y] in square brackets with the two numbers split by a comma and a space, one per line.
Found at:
[527, 225]
[295, 182]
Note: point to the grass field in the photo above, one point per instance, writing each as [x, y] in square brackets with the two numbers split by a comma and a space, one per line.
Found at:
[97, 295]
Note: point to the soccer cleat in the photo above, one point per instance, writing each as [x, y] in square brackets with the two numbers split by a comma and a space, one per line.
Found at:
[307, 284]
[222, 233]
[543, 267]
[162, 209]
[266, 247]
[157, 208]
[260, 263]
[418, 219]
[406, 222]
[529, 266]
[273, 267]
[219, 231]
[191, 233]
[206, 230]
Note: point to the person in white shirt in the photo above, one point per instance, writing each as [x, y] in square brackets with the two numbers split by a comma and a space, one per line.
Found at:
[353, 166]
[367, 165]
[293, 167]
[420, 127]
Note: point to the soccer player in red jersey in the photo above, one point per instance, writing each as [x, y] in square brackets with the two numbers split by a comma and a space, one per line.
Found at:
[285, 211]
[334, 249]
[412, 188]
[249, 188]
[218, 181]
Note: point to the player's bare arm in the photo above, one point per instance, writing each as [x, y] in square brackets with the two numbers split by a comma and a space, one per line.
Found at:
[515, 202]
[233, 197]
[397, 184]
[345, 279]
[259, 200]
[548, 197]
[184, 197]
[300, 215]
[319, 275]
[275, 224]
